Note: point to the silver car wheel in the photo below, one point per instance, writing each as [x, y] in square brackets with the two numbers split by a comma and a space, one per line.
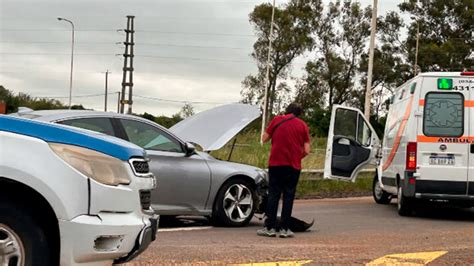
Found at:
[12, 251]
[238, 203]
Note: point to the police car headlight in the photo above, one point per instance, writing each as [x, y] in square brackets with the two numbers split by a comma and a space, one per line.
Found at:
[102, 168]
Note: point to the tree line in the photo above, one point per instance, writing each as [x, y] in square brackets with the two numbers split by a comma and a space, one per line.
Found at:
[14, 101]
[335, 39]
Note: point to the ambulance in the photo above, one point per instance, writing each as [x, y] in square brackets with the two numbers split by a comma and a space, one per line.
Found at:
[427, 152]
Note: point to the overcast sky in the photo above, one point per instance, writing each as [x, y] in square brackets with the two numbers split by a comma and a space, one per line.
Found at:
[186, 50]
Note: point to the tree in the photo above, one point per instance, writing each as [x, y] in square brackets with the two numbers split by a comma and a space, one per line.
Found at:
[291, 38]
[339, 41]
[24, 100]
[446, 34]
[162, 120]
[186, 111]
[390, 65]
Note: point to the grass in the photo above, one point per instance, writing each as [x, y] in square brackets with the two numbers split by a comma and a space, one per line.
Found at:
[323, 188]
[249, 151]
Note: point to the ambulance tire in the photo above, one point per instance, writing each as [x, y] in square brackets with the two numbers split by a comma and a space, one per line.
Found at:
[380, 196]
[404, 204]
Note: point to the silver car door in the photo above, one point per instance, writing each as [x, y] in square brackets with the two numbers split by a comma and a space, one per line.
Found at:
[184, 180]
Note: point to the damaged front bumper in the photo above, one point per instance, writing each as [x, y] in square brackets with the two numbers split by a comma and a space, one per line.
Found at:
[144, 239]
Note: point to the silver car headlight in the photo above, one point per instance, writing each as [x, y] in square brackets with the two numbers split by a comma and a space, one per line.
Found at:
[101, 167]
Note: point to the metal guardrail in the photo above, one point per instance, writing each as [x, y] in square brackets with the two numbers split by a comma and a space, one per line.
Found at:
[316, 174]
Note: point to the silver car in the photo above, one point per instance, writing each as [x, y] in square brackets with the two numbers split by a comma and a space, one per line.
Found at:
[190, 182]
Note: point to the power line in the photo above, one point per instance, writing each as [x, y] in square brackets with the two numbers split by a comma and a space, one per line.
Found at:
[138, 96]
[143, 56]
[138, 44]
[143, 31]
[76, 96]
[178, 101]
[198, 33]
[196, 58]
[12, 53]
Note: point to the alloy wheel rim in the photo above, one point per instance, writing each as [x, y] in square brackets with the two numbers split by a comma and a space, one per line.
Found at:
[12, 251]
[238, 203]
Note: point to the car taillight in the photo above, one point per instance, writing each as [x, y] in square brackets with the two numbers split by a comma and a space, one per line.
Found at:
[467, 73]
[411, 156]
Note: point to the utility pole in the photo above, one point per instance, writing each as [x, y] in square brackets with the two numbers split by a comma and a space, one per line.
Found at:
[127, 79]
[416, 49]
[368, 92]
[106, 88]
[267, 77]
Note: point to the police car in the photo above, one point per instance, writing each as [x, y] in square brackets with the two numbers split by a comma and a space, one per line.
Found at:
[71, 197]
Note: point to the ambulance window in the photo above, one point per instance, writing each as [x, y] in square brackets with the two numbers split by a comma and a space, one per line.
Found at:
[346, 123]
[443, 114]
[402, 94]
[364, 133]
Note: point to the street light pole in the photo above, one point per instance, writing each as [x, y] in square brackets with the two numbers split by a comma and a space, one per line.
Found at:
[106, 88]
[368, 92]
[72, 59]
[267, 77]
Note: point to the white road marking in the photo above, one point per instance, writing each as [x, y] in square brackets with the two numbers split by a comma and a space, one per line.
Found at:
[195, 228]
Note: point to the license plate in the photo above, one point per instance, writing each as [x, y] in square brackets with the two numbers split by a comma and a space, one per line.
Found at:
[442, 160]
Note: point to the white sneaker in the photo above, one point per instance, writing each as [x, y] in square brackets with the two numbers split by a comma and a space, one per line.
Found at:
[286, 233]
[266, 232]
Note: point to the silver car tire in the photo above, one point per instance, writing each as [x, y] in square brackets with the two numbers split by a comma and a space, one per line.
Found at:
[235, 204]
[22, 240]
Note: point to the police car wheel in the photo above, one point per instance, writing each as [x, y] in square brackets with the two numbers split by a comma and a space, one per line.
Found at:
[22, 240]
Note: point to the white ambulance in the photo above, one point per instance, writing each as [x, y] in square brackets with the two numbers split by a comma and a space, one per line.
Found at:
[428, 147]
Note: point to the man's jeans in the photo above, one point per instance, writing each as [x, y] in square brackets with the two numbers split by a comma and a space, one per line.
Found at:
[283, 180]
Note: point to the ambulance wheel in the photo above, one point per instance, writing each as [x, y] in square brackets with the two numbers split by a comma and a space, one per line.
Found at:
[404, 204]
[380, 196]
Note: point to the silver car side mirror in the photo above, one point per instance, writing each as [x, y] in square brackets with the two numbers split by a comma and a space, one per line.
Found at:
[190, 149]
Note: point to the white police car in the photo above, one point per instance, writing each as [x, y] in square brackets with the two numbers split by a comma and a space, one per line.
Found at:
[71, 197]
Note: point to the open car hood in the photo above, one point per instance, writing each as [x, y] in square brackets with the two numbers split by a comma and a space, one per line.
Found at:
[213, 128]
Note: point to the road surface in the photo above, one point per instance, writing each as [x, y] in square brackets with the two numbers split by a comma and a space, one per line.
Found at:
[347, 231]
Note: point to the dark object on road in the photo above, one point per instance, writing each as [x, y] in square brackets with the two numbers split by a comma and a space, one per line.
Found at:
[296, 225]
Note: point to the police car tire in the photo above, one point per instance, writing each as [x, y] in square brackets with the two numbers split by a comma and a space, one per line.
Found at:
[384, 198]
[404, 204]
[32, 236]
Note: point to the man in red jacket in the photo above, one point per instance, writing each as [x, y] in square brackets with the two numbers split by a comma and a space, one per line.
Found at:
[290, 144]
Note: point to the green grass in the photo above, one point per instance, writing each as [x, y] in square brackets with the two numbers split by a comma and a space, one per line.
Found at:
[249, 151]
[323, 188]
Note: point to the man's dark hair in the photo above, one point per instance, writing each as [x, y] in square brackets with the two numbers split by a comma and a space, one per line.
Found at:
[294, 108]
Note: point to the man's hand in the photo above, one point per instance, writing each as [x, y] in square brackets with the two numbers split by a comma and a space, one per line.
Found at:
[265, 137]
[307, 149]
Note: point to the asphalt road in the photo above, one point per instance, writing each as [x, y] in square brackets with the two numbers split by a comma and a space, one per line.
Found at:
[347, 231]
